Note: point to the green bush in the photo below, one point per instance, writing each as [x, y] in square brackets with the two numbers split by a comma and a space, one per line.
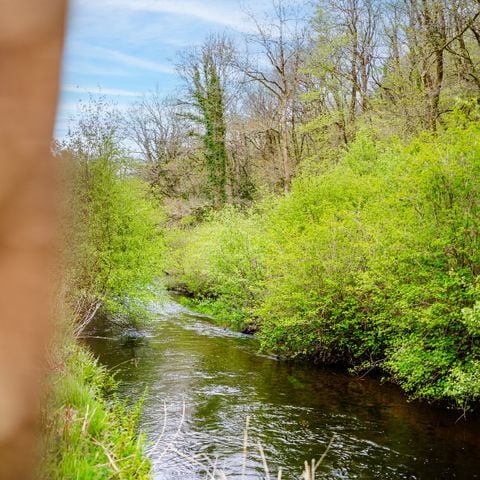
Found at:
[373, 262]
[220, 261]
[114, 240]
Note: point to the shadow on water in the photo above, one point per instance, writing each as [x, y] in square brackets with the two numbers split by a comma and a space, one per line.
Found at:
[217, 378]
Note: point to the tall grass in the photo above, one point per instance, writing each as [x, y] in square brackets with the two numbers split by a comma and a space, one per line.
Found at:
[88, 432]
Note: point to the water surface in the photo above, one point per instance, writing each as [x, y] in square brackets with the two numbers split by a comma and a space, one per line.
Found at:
[203, 382]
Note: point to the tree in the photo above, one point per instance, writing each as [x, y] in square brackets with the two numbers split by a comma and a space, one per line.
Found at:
[113, 241]
[166, 149]
[343, 65]
[279, 42]
[433, 57]
[206, 72]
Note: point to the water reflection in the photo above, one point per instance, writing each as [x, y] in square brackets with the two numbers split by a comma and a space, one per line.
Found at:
[205, 381]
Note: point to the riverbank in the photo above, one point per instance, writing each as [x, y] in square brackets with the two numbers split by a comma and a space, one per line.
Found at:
[204, 381]
[371, 263]
[87, 431]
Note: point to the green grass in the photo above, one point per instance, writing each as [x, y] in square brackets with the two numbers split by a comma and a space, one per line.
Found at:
[220, 312]
[88, 432]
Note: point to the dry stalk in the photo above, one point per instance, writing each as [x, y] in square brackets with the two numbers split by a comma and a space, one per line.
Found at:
[245, 446]
[111, 461]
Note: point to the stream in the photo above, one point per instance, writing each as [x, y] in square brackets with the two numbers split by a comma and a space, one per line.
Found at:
[202, 382]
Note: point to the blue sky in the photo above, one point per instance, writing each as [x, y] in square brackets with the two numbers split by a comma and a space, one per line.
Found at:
[125, 48]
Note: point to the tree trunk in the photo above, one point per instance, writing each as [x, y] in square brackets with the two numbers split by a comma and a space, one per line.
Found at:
[284, 148]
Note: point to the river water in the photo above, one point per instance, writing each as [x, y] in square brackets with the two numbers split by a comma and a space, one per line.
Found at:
[202, 382]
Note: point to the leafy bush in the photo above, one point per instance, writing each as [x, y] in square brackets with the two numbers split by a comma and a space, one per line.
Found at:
[114, 240]
[373, 262]
[220, 262]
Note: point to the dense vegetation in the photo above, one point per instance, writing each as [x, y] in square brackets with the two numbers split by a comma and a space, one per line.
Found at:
[88, 432]
[349, 233]
[256, 109]
[114, 242]
[322, 190]
[373, 262]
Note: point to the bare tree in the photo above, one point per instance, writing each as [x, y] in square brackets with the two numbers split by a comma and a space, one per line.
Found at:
[434, 45]
[463, 41]
[277, 51]
[345, 60]
[163, 143]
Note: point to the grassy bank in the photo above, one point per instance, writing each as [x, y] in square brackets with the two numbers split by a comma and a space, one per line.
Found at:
[370, 262]
[89, 433]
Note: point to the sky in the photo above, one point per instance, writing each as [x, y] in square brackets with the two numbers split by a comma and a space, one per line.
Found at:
[123, 49]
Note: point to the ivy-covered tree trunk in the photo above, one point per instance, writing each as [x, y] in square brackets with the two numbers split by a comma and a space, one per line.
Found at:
[209, 97]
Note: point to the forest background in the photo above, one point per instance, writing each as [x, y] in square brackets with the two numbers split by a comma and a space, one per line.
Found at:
[316, 183]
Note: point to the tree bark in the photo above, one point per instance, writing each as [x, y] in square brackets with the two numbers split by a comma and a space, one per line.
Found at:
[284, 149]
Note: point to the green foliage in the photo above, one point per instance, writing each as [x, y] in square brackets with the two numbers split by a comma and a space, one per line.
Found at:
[113, 249]
[208, 100]
[88, 437]
[120, 248]
[114, 238]
[221, 261]
[372, 262]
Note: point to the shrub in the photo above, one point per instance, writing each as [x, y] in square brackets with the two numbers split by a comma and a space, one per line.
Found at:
[373, 262]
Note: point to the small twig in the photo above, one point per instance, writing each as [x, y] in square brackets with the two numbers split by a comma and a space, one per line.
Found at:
[192, 460]
[95, 336]
[306, 472]
[111, 461]
[463, 415]
[373, 365]
[325, 452]
[157, 443]
[177, 433]
[133, 360]
[86, 421]
[87, 318]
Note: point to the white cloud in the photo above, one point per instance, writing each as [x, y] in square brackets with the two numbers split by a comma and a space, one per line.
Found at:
[77, 67]
[134, 61]
[118, 92]
[220, 13]
[101, 53]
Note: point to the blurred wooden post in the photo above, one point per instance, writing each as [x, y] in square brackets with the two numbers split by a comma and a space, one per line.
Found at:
[31, 39]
